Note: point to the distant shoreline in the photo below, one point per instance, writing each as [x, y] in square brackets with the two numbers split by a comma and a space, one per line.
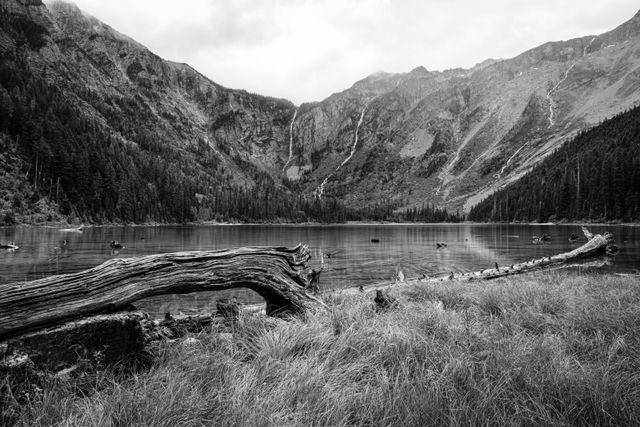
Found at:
[315, 224]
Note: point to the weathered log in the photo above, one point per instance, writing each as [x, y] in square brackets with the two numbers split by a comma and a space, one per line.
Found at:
[101, 339]
[596, 247]
[599, 243]
[276, 273]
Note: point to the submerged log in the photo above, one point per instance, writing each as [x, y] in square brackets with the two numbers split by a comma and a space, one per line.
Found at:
[276, 273]
[596, 244]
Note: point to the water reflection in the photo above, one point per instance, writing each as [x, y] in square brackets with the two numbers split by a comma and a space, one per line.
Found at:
[349, 255]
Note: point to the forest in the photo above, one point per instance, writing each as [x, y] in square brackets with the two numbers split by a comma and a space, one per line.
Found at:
[593, 177]
[108, 163]
[57, 161]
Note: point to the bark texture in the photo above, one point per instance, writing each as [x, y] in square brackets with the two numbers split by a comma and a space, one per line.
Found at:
[276, 273]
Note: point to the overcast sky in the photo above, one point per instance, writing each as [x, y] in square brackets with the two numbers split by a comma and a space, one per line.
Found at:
[304, 50]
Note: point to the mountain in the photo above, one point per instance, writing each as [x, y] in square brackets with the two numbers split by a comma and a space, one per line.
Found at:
[594, 177]
[105, 130]
[97, 126]
[454, 137]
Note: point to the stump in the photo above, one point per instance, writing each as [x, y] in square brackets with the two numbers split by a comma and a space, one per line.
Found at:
[384, 301]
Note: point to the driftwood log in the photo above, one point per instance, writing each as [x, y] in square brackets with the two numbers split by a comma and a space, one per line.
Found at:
[276, 273]
[596, 244]
[595, 248]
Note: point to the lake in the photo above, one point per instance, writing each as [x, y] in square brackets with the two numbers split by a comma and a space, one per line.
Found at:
[346, 253]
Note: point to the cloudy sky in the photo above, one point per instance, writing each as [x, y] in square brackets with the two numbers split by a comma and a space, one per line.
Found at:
[304, 50]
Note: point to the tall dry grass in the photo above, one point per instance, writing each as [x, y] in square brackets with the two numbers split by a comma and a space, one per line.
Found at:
[552, 348]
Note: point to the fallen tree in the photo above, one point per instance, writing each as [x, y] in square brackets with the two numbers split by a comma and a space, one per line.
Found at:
[100, 340]
[33, 314]
[596, 244]
[277, 274]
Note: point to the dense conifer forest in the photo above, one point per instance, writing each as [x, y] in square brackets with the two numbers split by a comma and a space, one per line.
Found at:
[57, 162]
[593, 177]
[69, 161]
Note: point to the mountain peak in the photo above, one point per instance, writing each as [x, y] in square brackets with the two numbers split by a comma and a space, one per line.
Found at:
[74, 21]
[419, 71]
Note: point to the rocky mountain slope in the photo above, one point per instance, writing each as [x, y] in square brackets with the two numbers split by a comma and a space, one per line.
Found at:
[448, 138]
[182, 107]
[130, 117]
[454, 137]
[594, 177]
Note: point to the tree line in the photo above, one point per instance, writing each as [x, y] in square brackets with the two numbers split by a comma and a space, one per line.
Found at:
[593, 177]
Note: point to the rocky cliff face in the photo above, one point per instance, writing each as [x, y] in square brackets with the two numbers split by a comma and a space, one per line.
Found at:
[454, 137]
[110, 77]
[449, 138]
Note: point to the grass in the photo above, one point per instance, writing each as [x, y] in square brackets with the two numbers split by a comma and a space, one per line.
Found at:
[551, 348]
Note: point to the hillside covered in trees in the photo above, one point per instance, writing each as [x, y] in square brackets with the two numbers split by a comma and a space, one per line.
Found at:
[70, 149]
[95, 128]
[593, 177]
[58, 157]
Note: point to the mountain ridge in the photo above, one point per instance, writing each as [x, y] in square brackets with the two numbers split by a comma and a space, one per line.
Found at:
[65, 71]
[447, 138]
[535, 78]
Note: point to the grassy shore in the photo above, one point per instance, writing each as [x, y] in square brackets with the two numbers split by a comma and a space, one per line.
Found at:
[549, 348]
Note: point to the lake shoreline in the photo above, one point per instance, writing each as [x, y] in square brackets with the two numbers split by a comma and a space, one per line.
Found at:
[496, 352]
[308, 224]
[349, 254]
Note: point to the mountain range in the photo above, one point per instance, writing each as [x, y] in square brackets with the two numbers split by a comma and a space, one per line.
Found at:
[454, 137]
[446, 138]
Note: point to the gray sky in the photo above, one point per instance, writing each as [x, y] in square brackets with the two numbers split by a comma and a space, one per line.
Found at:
[304, 50]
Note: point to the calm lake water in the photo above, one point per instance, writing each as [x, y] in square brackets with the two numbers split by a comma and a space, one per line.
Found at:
[353, 258]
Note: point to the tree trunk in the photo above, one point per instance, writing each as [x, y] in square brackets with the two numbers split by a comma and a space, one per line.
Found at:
[596, 244]
[97, 341]
[102, 339]
[277, 274]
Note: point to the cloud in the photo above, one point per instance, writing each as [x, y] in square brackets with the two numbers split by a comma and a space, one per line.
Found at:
[304, 50]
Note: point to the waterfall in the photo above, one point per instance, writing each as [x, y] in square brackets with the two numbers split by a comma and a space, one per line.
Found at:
[355, 140]
[552, 103]
[510, 158]
[320, 189]
[291, 139]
